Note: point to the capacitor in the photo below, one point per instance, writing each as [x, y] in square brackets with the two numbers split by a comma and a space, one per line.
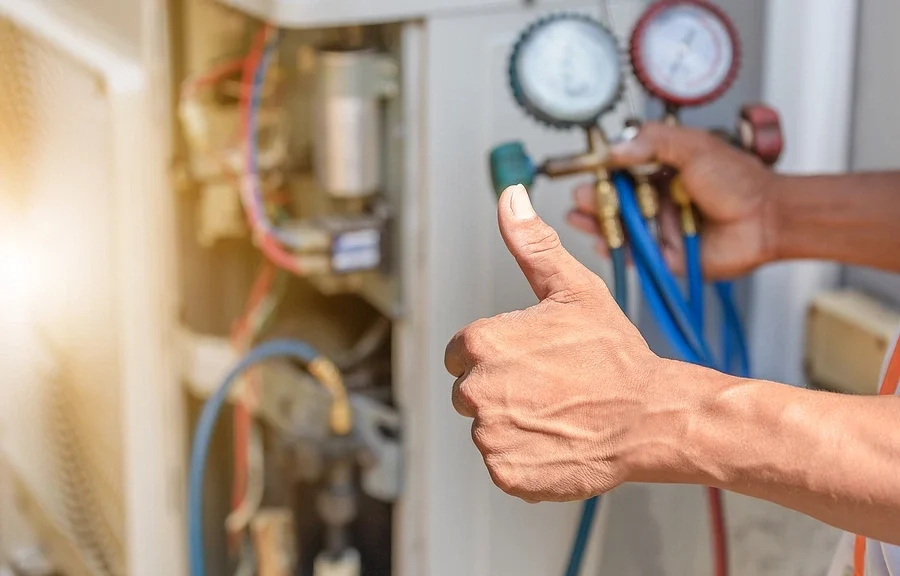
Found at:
[351, 85]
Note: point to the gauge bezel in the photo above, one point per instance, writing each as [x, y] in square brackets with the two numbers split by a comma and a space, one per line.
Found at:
[657, 91]
[533, 110]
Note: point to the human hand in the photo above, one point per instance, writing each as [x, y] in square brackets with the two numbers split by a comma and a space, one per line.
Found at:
[730, 188]
[558, 391]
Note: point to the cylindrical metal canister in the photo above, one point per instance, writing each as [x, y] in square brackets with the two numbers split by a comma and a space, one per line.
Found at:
[348, 123]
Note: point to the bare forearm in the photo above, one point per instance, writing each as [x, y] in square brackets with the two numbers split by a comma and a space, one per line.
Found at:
[851, 219]
[833, 457]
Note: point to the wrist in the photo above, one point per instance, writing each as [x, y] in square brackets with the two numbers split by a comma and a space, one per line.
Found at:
[675, 442]
[774, 191]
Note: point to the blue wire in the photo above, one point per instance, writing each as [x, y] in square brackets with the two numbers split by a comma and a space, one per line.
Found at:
[646, 249]
[695, 278]
[204, 431]
[589, 511]
[259, 77]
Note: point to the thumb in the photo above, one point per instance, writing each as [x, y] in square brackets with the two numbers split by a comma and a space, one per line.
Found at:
[552, 272]
[673, 146]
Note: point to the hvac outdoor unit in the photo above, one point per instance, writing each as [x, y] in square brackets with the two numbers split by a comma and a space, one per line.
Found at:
[94, 426]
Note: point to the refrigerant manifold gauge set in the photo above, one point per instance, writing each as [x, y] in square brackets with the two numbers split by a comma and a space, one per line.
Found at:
[568, 70]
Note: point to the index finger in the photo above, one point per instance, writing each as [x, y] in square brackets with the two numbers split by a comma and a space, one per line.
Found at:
[455, 357]
[674, 146]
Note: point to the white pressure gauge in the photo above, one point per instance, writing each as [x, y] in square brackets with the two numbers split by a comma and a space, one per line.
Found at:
[685, 52]
[566, 70]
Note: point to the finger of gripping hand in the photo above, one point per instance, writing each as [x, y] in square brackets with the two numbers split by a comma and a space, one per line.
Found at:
[675, 146]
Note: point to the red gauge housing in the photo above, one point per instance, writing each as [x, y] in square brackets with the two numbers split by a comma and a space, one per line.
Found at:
[640, 68]
[759, 131]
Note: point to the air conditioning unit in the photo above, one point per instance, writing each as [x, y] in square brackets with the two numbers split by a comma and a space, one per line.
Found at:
[120, 325]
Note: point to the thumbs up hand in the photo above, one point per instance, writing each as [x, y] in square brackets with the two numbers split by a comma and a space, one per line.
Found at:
[558, 392]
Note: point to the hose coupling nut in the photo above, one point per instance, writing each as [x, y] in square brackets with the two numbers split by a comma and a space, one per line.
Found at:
[608, 213]
[681, 199]
[647, 198]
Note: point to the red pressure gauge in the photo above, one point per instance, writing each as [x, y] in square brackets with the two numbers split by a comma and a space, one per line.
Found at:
[685, 52]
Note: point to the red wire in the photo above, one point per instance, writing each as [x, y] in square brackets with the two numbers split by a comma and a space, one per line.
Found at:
[719, 534]
[211, 76]
[242, 420]
[261, 286]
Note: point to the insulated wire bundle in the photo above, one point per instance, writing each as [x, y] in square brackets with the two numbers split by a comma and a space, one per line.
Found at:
[271, 241]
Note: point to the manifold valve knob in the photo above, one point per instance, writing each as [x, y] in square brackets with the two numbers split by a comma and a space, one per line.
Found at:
[759, 130]
[511, 165]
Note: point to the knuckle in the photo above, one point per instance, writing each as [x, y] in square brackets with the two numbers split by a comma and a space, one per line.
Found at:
[467, 393]
[475, 340]
[651, 132]
[704, 142]
[482, 438]
[590, 291]
[504, 477]
[542, 242]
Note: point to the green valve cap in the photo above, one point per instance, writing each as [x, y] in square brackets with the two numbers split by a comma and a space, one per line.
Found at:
[510, 165]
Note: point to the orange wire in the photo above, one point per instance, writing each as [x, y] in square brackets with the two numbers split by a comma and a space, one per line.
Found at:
[211, 76]
[240, 339]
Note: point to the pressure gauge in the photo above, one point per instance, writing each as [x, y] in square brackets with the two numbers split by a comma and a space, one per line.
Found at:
[685, 52]
[566, 70]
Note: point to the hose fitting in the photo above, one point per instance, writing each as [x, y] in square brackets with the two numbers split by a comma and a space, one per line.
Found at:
[341, 418]
[683, 201]
[608, 211]
[647, 198]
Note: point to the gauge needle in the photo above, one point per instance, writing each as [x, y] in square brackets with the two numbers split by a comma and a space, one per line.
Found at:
[570, 82]
[683, 49]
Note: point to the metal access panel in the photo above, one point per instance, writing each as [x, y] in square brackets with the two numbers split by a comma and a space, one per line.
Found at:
[315, 13]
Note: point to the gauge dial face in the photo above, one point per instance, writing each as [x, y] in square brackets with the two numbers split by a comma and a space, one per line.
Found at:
[685, 52]
[567, 71]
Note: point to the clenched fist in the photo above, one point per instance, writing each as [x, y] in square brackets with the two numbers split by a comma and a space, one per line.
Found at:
[558, 391]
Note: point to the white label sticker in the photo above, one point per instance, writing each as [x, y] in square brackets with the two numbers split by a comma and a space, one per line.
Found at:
[357, 250]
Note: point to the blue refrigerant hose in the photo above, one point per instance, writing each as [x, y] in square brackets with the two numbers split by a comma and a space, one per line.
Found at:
[661, 315]
[695, 278]
[734, 342]
[589, 511]
[203, 435]
[646, 250]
